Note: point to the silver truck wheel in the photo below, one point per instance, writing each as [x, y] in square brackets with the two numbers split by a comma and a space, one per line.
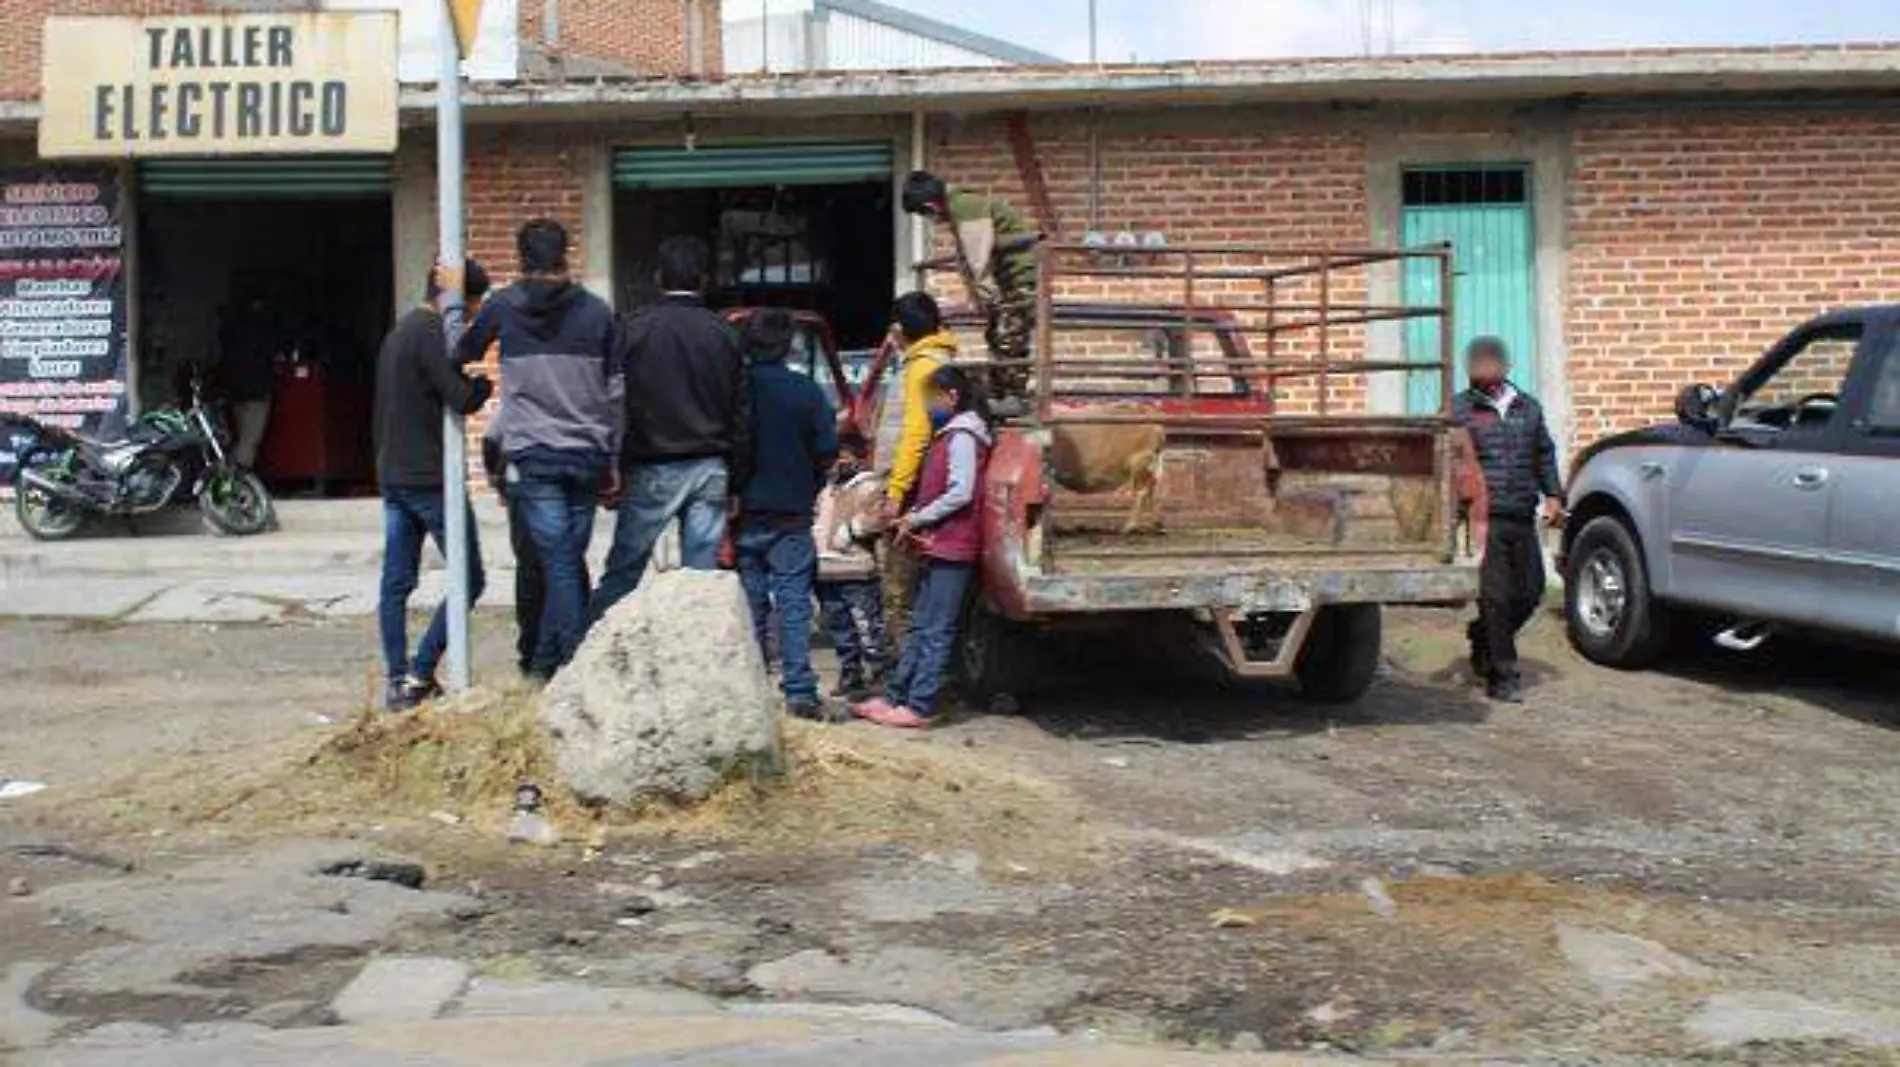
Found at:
[1609, 613]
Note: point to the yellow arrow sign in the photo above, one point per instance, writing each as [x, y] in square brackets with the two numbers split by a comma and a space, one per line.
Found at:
[466, 15]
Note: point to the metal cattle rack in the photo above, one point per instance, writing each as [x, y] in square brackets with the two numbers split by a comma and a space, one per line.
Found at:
[1264, 302]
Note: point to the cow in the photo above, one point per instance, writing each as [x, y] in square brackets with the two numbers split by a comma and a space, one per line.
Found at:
[1104, 457]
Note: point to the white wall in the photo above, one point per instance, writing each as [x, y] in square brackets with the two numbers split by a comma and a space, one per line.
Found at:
[789, 38]
[497, 43]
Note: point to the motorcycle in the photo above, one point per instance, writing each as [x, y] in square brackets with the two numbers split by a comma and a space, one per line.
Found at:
[166, 457]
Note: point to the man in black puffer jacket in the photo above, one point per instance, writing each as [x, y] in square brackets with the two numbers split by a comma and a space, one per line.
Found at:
[1520, 475]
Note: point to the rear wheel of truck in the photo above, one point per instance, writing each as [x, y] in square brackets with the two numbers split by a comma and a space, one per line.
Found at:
[1341, 656]
[995, 658]
[1608, 610]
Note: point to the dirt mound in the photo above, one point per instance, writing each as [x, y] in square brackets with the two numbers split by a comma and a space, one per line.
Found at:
[846, 787]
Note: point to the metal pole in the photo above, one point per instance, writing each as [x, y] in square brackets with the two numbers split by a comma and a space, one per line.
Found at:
[1093, 54]
[448, 171]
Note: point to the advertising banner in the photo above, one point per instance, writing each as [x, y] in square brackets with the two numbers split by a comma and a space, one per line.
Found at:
[63, 355]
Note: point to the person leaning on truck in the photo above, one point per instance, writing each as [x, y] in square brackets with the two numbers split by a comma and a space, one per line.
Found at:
[904, 433]
[996, 255]
[1519, 461]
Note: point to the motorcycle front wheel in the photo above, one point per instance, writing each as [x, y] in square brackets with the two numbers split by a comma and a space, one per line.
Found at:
[235, 502]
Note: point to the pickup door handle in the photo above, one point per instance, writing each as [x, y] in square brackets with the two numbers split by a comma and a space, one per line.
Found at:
[1810, 478]
[1652, 470]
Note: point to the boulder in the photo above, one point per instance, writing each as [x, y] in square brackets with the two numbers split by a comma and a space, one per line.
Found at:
[667, 698]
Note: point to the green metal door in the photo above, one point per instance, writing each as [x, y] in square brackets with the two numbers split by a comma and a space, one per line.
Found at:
[266, 178]
[1485, 215]
[743, 165]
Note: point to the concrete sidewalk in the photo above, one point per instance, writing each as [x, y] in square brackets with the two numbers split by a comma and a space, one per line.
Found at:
[734, 1038]
[324, 560]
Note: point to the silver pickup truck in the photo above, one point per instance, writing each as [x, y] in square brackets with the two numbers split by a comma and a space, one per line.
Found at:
[1771, 505]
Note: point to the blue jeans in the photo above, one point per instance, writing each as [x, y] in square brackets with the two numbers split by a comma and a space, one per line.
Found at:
[934, 618]
[846, 605]
[557, 503]
[777, 559]
[410, 517]
[690, 490]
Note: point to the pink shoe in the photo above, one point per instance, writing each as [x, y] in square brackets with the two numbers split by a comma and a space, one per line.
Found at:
[905, 719]
[873, 710]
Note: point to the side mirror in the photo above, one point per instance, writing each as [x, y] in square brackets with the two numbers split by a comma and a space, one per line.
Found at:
[1696, 406]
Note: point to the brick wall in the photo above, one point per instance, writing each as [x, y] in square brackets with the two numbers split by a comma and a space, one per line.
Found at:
[1700, 237]
[649, 36]
[1287, 185]
[514, 176]
[20, 45]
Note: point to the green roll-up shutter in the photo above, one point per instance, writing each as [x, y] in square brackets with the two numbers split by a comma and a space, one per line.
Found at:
[265, 178]
[730, 166]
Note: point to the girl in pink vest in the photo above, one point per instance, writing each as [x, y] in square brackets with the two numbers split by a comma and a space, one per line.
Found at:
[945, 523]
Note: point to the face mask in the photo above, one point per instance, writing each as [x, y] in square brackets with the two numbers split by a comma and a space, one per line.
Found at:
[939, 419]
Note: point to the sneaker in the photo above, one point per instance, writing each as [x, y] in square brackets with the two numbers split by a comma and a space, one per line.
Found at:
[421, 690]
[817, 711]
[407, 694]
[873, 709]
[395, 697]
[1505, 691]
[851, 687]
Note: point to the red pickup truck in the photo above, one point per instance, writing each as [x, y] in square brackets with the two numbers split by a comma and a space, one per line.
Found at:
[1280, 536]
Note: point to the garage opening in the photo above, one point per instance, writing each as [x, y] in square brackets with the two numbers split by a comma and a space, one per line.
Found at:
[801, 226]
[273, 279]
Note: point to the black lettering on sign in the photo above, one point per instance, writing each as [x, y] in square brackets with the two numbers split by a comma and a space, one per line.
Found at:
[190, 95]
[102, 113]
[161, 100]
[253, 46]
[156, 36]
[128, 113]
[275, 93]
[302, 122]
[181, 48]
[335, 109]
[220, 96]
[250, 109]
[280, 38]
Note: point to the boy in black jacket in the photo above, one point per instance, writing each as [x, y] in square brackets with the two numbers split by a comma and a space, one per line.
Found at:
[794, 439]
[1520, 474]
[415, 381]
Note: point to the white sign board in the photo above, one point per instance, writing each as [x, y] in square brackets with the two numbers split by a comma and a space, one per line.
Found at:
[497, 55]
[196, 85]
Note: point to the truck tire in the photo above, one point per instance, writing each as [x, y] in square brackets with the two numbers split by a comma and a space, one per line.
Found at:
[1342, 651]
[995, 658]
[1611, 616]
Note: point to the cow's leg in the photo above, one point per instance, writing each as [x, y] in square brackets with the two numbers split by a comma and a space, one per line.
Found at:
[1143, 479]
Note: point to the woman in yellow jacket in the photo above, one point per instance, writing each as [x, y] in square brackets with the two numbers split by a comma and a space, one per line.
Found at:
[903, 436]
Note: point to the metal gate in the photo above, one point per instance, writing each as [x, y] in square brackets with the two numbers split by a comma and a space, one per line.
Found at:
[1484, 213]
[744, 165]
[266, 178]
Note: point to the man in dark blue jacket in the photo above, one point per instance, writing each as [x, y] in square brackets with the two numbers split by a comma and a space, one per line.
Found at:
[1520, 475]
[794, 442]
[559, 424]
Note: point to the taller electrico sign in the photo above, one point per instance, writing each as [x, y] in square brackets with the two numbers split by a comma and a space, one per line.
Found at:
[287, 84]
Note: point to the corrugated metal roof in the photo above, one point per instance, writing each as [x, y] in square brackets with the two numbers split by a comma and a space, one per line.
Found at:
[1869, 69]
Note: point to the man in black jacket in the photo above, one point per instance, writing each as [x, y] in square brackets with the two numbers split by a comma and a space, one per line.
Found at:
[415, 381]
[1520, 475]
[687, 450]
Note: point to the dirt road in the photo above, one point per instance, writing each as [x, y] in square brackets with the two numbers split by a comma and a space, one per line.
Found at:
[1698, 863]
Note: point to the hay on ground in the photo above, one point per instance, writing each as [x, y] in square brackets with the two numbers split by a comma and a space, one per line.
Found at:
[845, 787]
